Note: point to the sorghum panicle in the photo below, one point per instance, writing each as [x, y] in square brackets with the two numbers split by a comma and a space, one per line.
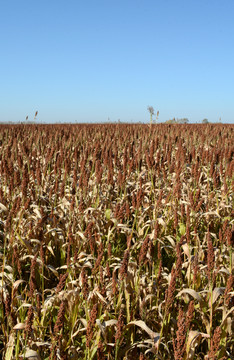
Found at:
[169, 296]
[29, 321]
[120, 325]
[60, 320]
[215, 341]
[124, 267]
[85, 286]
[210, 257]
[91, 325]
[179, 343]
[62, 281]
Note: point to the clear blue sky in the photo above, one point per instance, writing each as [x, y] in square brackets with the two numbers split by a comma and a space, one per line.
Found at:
[90, 60]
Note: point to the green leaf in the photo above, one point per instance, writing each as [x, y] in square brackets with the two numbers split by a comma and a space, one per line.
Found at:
[108, 214]
[182, 229]
[63, 255]
[93, 353]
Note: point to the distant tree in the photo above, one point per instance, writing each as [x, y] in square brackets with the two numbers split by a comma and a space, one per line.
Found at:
[205, 121]
[171, 121]
[151, 111]
[182, 121]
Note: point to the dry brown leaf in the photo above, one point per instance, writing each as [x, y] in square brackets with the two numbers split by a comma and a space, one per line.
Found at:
[19, 326]
[143, 326]
[216, 293]
[191, 292]
[3, 207]
[193, 340]
[32, 355]
[17, 283]
[10, 347]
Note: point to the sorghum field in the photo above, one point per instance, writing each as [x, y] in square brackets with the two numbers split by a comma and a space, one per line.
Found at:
[116, 242]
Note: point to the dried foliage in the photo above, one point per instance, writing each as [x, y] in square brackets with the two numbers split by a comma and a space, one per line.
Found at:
[116, 241]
